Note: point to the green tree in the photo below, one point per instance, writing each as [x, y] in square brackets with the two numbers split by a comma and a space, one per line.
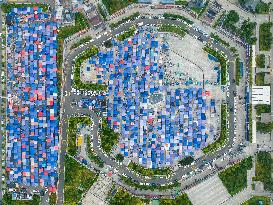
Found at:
[235, 177]
[231, 19]
[186, 161]
[119, 157]
[262, 8]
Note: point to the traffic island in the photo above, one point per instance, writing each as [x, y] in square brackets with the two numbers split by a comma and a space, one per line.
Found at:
[150, 172]
[78, 180]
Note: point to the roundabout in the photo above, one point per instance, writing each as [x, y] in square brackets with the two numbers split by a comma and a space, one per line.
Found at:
[122, 175]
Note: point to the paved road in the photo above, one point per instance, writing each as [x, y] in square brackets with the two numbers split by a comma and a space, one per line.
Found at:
[1, 136]
[123, 169]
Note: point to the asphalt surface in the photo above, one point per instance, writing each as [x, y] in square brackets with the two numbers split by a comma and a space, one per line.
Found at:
[122, 169]
[1, 137]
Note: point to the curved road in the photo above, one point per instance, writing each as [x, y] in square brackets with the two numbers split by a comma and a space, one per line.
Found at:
[122, 169]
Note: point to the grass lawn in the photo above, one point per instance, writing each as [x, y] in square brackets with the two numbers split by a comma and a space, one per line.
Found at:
[180, 200]
[7, 200]
[223, 135]
[109, 138]
[124, 198]
[78, 179]
[258, 200]
[116, 5]
[264, 168]
[234, 178]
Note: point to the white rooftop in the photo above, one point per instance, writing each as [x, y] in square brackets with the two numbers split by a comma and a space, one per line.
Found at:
[260, 95]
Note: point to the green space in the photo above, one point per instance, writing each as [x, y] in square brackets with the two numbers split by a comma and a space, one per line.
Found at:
[231, 19]
[126, 34]
[108, 44]
[7, 200]
[78, 180]
[264, 169]
[152, 187]
[72, 135]
[177, 17]
[220, 142]
[219, 39]
[108, 137]
[149, 172]
[6, 8]
[247, 32]
[124, 198]
[238, 74]
[116, 5]
[52, 199]
[80, 42]
[234, 178]
[181, 2]
[131, 17]
[262, 8]
[260, 61]
[119, 157]
[264, 127]
[81, 23]
[77, 83]
[186, 161]
[260, 79]
[262, 109]
[102, 13]
[179, 30]
[180, 200]
[258, 200]
[265, 36]
[234, 50]
[223, 63]
[72, 132]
